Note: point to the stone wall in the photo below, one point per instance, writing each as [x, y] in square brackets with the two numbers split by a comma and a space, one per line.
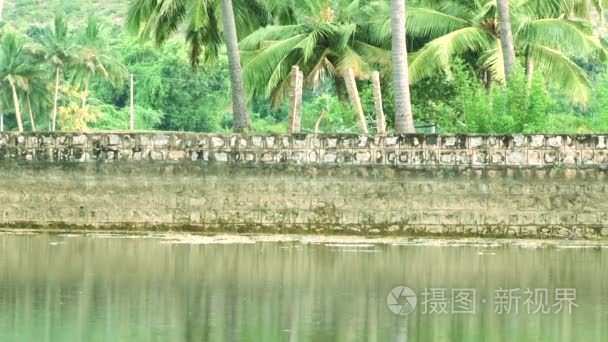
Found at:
[572, 151]
[524, 186]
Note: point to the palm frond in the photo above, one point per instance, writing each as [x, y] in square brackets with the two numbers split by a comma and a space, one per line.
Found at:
[559, 69]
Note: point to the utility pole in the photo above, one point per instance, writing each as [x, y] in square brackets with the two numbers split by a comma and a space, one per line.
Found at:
[132, 108]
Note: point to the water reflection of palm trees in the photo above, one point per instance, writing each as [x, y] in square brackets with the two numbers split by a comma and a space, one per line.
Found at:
[144, 290]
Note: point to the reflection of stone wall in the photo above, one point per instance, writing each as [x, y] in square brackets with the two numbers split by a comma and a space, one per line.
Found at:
[420, 185]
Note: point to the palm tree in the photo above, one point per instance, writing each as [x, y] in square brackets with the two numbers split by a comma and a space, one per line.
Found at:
[404, 122]
[506, 36]
[36, 93]
[158, 20]
[94, 60]
[16, 69]
[470, 30]
[56, 45]
[323, 38]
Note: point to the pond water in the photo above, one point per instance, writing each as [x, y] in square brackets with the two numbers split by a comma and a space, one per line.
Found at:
[104, 288]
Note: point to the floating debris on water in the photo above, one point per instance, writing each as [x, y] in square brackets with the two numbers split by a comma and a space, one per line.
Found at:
[349, 245]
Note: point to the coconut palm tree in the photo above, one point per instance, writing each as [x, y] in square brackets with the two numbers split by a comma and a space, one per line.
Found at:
[16, 69]
[464, 29]
[95, 60]
[35, 94]
[404, 121]
[159, 20]
[506, 36]
[57, 46]
[321, 37]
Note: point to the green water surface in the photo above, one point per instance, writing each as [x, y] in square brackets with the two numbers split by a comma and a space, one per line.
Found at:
[100, 288]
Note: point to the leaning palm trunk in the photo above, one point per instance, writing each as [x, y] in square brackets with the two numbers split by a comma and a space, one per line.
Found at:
[29, 106]
[241, 120]
[54, 118]
[355, 100]
[506, 37]
[318, 123]
[404, 120]
[17, 110]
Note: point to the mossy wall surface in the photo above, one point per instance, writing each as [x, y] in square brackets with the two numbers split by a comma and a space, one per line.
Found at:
[521, 186]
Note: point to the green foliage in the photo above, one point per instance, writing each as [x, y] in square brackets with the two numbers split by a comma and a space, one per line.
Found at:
[515, 107]
[22, 13]
[113, 118]
[446, 30]
[519, 107]
[189, 100]
[325, 40]
[454, 58]
[336, 116]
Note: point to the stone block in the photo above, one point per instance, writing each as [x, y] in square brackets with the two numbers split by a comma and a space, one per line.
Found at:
[177, 155]
[554, 142]
[256, 141]
[217, 142]
[516, 158]
[476, 142]
[536, 141]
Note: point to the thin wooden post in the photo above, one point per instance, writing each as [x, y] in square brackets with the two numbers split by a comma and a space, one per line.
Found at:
[55, 99]
[1, 122]
[132, 108]
[353, 95]
[380, 119]
[295, 100]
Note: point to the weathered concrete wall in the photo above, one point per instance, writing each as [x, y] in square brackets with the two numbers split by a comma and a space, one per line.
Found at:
[405, 150]
[527, 186]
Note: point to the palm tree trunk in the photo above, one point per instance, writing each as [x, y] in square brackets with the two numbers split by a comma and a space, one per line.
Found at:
[489, 81]
[294, 117]
[319, 120]
[54, 118]
[17, 110]
[404, 120]
[29, 105]
[86, 92]
[355, 100]
[380, 119]
[506, 37]
[529, 70]
[241, 120]
[340, 88]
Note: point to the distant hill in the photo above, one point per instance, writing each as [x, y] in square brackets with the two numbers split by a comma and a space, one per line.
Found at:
[23, 13]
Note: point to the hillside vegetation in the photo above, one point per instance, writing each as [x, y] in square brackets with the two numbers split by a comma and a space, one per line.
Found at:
[23, 13]
[67, 65]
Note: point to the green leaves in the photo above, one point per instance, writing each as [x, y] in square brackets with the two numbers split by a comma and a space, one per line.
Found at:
[544, 34]
[329, 39]
[440, 53]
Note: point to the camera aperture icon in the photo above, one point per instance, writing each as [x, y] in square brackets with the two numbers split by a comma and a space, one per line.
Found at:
[401, 300]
